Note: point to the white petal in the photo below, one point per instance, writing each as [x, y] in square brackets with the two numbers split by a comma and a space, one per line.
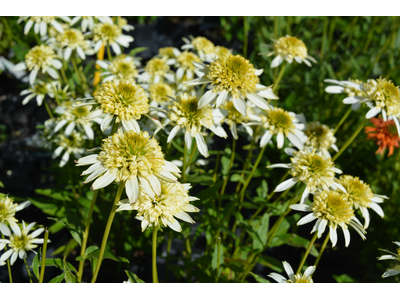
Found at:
[258, 101]
[267, 93]
[333, 236]
[37, 232]
[147, 187]
[175, 225]
[305, 195]
[155, 184]
[346, 236]
[277, 277]
[206, 99]
[102, 64]
[15, 228]
[373, 112]
[23, 205]
[287, 184]
[53, 74]
[234, 131]
[116, 48]
[265, 138]
[188, 139]
[219, 131]
[365, 214]
[32, 76]
[39, 99]
[295, 141]
[106, 122]
[132, 189]
[64, 159]
[221, 98]
[240, 105]
[27, 99]
[280, 139]
[28, 26]
[56, 64]
[69, 129]
[22, 254]
[104, 180]
[276, 61]
[67, 53]
[6, 254]
[4, 229]
[98, 45]
[286, 166]
[184, 217]
[321, 227]
[43, 28]
[377, 209]
[89, 131]
[352, 100]
[201, 145]
[57, 152]
[301, 207]
[57, 26]
[289, 270]
[306, 219]
[87, 160]
[169, 166]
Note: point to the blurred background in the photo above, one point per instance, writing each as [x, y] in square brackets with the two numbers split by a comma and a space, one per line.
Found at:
[345, 47]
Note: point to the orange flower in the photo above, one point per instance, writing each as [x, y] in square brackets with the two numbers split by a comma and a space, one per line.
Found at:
[384, 134]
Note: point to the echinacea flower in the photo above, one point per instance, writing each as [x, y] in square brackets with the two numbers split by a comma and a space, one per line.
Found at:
[38, 90]
[71, 144]
[185, 66]
[122, 100]
[122, 66]
[7, 212]
[130, 157]
[40, 23]
[294, 278]
[156, 70]
[109, 33]
[290, 48]
[40, 58]
[232, 78]
[72, 40]
[162, 206]
[315, 169]
[330, 208]
[20, 241]
[222, 51]
[279, 122]
[169, 53]
[186, 114]
[350, 87]
[360, 195]
[88, 21]
[383, 134]
[320, 137]
[160, 93]
[395, 256]
[202, 45]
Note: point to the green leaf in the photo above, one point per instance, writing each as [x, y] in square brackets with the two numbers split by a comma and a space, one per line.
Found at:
[57, 279]
[259, 278]
[35, 263]
[344, 278]
[250, 230]
[107, 254]
[137, 50]
[133, 277]
[262, 190]
[69, 277]
[271, 262]
[214, 261]
[76, 233]
[202, 179]
[1, 185]
[236, 177]
[262, 232]
[225, 164]
[295, 240]
[249, 205]
[210, 192]
[176, 145]
[91, 249]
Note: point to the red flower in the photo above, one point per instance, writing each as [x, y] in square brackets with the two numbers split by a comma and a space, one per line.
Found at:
[384, 135]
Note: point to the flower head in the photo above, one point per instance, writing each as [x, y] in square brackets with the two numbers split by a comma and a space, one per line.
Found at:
[40, 23]
[20, 241]
[384, 134]
[162, 209]
[232, 77]
[160, 92]
[71, 144]
[185, 114]
[72, 39]
[130, 157]
[330, 208]
[123, 67]
[111, 34]
[185, 65]
[394, 256]
[202, 45]
[313, 168]
[360, 195]
[289, 48]
[294, 278]
[350, 87]
[157, 67]
[7, 212]
[38, 90]
[320, 136]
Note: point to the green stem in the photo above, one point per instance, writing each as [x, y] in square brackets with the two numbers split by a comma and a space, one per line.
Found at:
[86, 235]
[184, 167]
[342, 120]
[154, 255]
[107, 230]
[63, 75]
[218, 259]
[78, 74]
[46, 237]
[8, 263]
[55, 94]
[109, 52]
[351, 139]
[29, 272]
[322, 250]
[278, 79]
[307, 252]
[48, 109]
[246, 31]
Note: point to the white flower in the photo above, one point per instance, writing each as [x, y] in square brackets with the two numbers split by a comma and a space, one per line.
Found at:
[350, 87]
[186, 114]
[232, 78]
[111, 34]
[156, 70]
[320, 137]
[88, 21]
[298, 278]
[7, 212]
[155, 209]
[330, 208]
[204, 47]
[277, 121]
[39, 58]
[122, 66]
[71, 144]
[40, 23]
[72, 40]
[313, 168]
[396, 269]
[130, 157]
[20, 242]
[38, 90]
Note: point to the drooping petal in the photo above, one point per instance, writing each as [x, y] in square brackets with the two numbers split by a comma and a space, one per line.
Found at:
[333, 236]
[287, 184]
[265, 138]
[104, 180]
[132, 189]
[201, 144]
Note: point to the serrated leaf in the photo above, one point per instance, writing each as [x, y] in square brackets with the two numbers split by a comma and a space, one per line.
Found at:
[133, 277]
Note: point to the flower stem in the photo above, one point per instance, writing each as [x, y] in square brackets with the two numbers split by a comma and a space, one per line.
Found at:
[48, 109]
[8, 263]
[218, 259]
[351, 139]
[322, 250]
[184, 167]
[46, 237]
[307, 252]
[107, 230]
[154, 255]
[86, 235]
[76, 70]
[342, 120]
[246, 31]
[64, 76]
[109, 52]
[278, 79]
[29, 272]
